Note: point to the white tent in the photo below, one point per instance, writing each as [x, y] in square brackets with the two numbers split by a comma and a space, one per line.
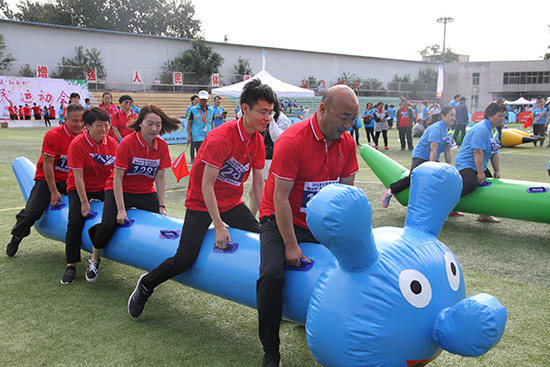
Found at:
[518, 102]
[282, 89]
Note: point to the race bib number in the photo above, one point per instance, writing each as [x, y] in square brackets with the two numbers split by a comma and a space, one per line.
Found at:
[232, 172]
[495, 144]
[450, 142]
[103, 159]
[144, 167]
[311, 189]
[61, 164]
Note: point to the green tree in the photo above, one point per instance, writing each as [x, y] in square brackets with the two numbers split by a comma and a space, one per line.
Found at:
[172, 18]
[363, 87]
[5, 11]
[241, 68]
[5, 61]
[26, 71]
[77, 67]
[433, 53]
[200, 59]
[547, 55]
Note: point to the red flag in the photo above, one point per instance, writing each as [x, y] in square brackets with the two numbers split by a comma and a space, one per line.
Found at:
[179, 167]
[526, 118]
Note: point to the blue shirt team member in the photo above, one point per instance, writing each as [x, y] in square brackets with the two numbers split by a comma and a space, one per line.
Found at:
[199, 122]
[368, 122]
[454, 102]
[218, 111]
[435, 140]
[480, 145]
[539, 120]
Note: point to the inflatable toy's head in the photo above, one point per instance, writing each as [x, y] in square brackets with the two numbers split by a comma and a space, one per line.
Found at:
[394, 296]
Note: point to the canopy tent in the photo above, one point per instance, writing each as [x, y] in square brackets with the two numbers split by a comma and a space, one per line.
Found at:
[518, 102]
[282, 89]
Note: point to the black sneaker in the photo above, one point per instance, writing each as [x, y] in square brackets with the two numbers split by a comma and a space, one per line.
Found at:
[13, 246]
[68, 277]
[272, 360]
[92, 271]
[137, 300]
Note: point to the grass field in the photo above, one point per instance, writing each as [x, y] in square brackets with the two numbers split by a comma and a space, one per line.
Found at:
[44, 323]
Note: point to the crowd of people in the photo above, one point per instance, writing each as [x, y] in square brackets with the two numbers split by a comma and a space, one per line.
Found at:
[114, 154]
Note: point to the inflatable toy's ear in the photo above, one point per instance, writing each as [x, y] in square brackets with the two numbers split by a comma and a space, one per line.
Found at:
[340, 217]
[435, 191]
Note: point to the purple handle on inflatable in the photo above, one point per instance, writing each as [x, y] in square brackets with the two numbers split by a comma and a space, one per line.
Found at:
[127, 223]
[59, 206]
[169, 234]
[485, 183]
[304, 266]
[537, 189]
[232, 247]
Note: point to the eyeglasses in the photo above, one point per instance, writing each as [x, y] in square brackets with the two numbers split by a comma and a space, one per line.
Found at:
[103, 126]
[265, 113]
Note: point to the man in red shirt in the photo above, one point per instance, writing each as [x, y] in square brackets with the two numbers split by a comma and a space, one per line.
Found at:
[221, 167]
[309, 155]
[13, 112]
[21, 113]
[51, 176]
[27, 112]
[405, 121]
[122, 117]
[36, 110]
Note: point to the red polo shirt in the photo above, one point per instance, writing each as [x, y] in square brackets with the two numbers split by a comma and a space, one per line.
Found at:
[96, 161]
[302, 155]
[21, 112]
[55, 144]
[120, 120]
[27, 110]
[36, 110]
[140, 163]
[404, 118]
[12, 110]
[230, 150]
[52, 112]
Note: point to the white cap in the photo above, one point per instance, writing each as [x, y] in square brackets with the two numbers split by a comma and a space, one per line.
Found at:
[203, 94]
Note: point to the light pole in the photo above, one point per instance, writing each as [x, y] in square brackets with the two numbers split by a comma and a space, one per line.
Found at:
[444, 20]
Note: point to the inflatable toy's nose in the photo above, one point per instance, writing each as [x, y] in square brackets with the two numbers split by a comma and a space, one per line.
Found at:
[471, 327]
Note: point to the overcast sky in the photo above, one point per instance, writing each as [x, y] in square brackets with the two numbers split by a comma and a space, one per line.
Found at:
[486, 30]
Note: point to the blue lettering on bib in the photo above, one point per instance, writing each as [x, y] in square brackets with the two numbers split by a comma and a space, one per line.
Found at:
[311, 189]
[103, 159]
[62, 164]
[232, 172]
[144, 167]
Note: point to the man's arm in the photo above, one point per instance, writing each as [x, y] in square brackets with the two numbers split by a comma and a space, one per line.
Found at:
[433, 151]
[495, 162]
[283, 215]
[55, 196]
[448, 155]
[348, 180]
[209, 177]
[258, 184]
[478, 159]
[189, 123]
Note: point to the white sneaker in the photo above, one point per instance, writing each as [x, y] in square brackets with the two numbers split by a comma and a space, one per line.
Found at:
[92, 271]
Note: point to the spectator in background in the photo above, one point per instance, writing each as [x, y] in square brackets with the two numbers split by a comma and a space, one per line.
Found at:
[61, 113]
[391, 115]
[200, 123]
[107, 104]
[13, 112]
[405, 120]
[462, 118]
[539, 120]
[134, 108]
[46, 114]
[380, 125]
[37, 112]
[21, 112]
[194, 101]
[86, 103]
[122, 118]
[368, 122]
[52, 112]
[218, 111]
[27, 112]
[454, 102]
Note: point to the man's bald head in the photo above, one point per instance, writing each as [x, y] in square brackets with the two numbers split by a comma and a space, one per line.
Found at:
[337, 111]
[337, 94]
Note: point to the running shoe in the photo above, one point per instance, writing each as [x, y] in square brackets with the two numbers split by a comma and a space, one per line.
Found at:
[386, 198]
[68, 277]
[92, 271]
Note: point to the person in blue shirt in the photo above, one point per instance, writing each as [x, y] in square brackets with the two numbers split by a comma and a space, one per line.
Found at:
[539, 120]
[435, 140]
[425, 112]
[199, 123]
[218, 111]
[354, 129]
[462, 118]
[134, 107]
[391, 115]
[194, 101]
[61, 114]
[368, 122]
[480, 145]
[454, 102]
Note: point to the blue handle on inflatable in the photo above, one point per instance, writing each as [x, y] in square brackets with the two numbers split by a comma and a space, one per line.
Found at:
[169, 234]
[59, 206]
[304, 266]
[232, 247]
[485, 184]
[537, 189]
[91, 215]
[127, 223]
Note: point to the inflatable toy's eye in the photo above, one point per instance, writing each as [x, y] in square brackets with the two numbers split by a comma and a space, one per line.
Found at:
[453, 271]
[415, 287]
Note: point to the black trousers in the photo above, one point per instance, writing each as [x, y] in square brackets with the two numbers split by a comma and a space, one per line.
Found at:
[356, 131]
[73, 238]
[538, 129]
[406, 133]
[101, 233]
[195, 146]
[459, 128]
[370, 133]
[469, 180]
[405, 182]
[384, 135]
[269, 288]
[195, 225]
[38, 201]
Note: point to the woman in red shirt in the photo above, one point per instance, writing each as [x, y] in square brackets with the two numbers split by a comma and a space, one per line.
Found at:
[90, 159]
[122, 118]
[139, 166]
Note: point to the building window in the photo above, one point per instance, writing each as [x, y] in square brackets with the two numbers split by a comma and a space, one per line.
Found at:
[475, 101]
[525, 77]
[475, 79]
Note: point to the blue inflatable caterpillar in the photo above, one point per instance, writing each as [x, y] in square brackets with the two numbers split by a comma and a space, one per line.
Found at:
[385, 297]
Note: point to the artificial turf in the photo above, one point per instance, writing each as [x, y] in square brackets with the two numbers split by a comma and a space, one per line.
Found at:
[44, 323]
